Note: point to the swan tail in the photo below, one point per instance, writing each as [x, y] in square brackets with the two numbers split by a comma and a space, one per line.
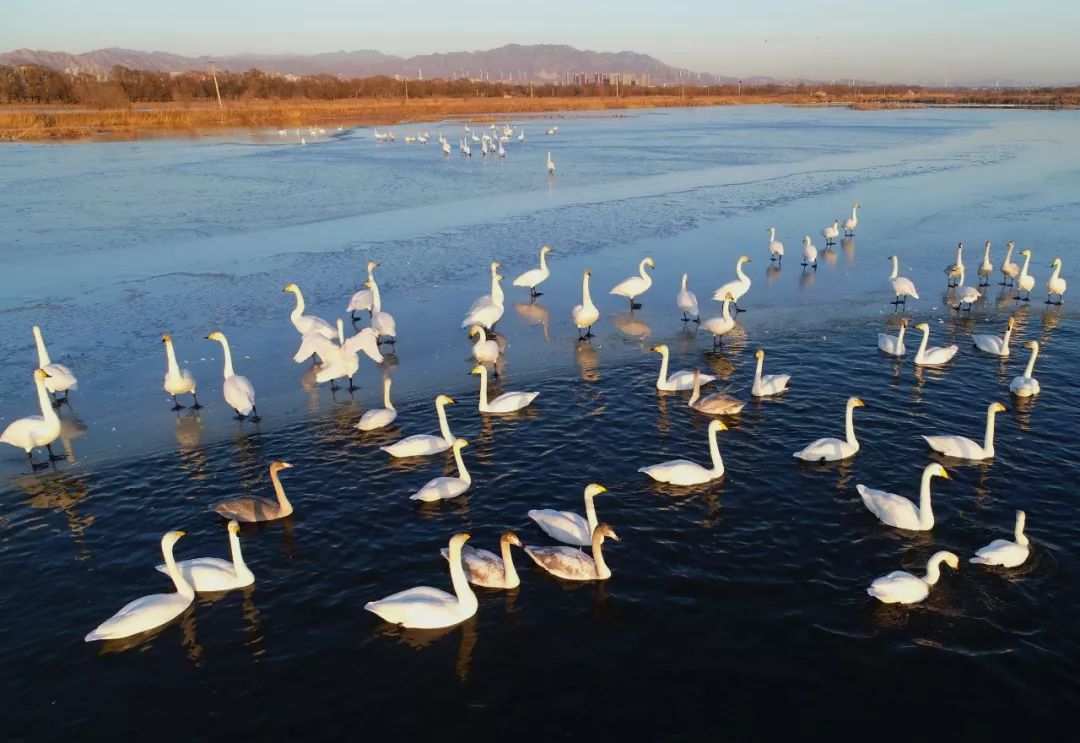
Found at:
[914, 294]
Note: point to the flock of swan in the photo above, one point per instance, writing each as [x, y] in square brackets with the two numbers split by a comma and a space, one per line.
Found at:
[490, 144]
[338, 358]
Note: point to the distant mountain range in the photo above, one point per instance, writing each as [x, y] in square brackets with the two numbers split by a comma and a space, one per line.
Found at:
[513, 62]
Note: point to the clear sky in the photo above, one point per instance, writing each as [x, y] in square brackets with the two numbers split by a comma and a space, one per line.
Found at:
[926, 41]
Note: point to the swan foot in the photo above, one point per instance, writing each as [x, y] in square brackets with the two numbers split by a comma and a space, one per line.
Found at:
[35, 466]
[634, 305]
[534, 294]
[54, 457]
[255, 417]
[197, 405]
[238, 417]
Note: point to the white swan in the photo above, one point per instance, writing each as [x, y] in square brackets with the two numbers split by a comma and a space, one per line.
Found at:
[686, 301]
[809, 252]
[507, 402]
[893, 344]
[935, 355]
[720, 326]
[1009, 270]
[573, 564]
[521, 135]
[550, 163]
[424, 607]
[852, 222]
[569, 527]
[1003, 552]
[899, 587]
[484, 349]
[341, 360]
[534, 277]
[998, 346]
[207, 574]
[776, 248]
[494, 294]
[738, 286]
[446, 148]
[443, 488]
[964, 448]
[420, 445]
[898, 511]
[685, 472]
[1025, 385]
[831, 233]
[361, 300]
[954, 270]
[635, 286]
[305, 324]
[833, 450]
[678, 381]
[252, 508]
[586, 313]
[1025, 282]
[768, 384]
[902, 286]
[149, 612]
[1055, 284]
[177, 381]
[382, 417]
[986, 268]
[487, 313]
[488, 570]
[968, 295]
[717, 403]
[238, 391]
[381, 322]
[59, 378]
[36, 430]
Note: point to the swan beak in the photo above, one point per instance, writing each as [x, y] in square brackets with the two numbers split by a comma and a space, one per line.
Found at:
[859, 403]
[180, 534]
[588, 272]
[285, 465]
[165, 338]
[945, 474]
[450, 401]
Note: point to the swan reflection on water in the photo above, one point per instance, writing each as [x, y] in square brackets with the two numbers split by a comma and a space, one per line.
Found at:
[535, 313]
[630, 324]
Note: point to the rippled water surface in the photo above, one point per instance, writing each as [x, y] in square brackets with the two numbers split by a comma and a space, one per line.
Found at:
[736, 609]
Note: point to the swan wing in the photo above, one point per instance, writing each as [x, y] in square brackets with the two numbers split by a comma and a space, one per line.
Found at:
[677, 472]
[565, 526]
[482, 568]
[422, 608]
[508, 402]
[60, 378]
[903, 285]
[361, 300]
[418, 445]
[1001, 552]
[315, 343]
[376, 418]
[564, 562]
[891, 509]
[383, 323]
[440, 488]
[209, 574]
[249, 509]
[824, 450]
[630, 287]
[530, 278]
[898, 588]
[25, 432]
[141, 615]
[956, 446]
[366, 341]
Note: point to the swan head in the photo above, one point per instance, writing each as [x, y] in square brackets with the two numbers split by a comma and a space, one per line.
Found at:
[936, 470]
[499, 277]
[367, 284]
[1026, 252]
[588, 272]
[661, 349]
[759, 354]
[649, 263]
[547, 249]
[478, 369]
[459, 539]
[715, 426]
[495, 266]
[460, 444]
[856, 402]
[509, 537]
[278, 465]
[1055, 262]
[171, 537]
[444, 400]
[1011, 244]
[372, 264]
[923, 326]
[948, 558]
[744, 259]
[996, 407]
[291, 288]
[40, 375]
[594, 489]
[1033, 345]
[1011, 323]
[166, 338]
[729, 297]
[857, 205]
[234, 528]
[217, 335]
[474, 330]
[605, 530]
[806, 239]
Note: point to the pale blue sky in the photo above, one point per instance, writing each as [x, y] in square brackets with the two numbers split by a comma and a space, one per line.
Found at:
[926, 41]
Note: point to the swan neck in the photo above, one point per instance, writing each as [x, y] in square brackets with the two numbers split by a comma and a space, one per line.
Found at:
[1008, 255]
[933, 570]
[1031, 362]
[895, 268]
[988, 441]
[1027, 260]
[237, 556]
[463, 473]
[299, 309]
[483, 391]
[695, 394]
[590, 513]
[376, 299]
[228, 358]
[849, 426]
[683, 284]
[386, 395]
[726, 311]
[444, 427]
[170, 355]
[663, 367]
[714, 452]
[48, 412]
[1018, 533]
[739, 272]
[757, 371]
[510, 576]
[925, 338]
[602, 570]
[182, 586]
[900, 335]
[279, 490]
[586, 298]
[926, 514]
[543, 260]
[1056, 272]
[42, 352]
[1005, 339]
[462, 589]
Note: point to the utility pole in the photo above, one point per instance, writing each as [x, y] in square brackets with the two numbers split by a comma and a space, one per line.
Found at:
[213, 73]
[406, 89]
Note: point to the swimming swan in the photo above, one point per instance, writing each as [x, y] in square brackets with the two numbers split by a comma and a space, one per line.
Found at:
[998, 346]
[935, 355]
[768, 384]
[251, 509]
[898, 511]
[36, 430]
[964, 448]
[536, 276]
[635, 286]
[573, 564]
[442, 488]
[420, 445]
[893, 344]
[207, 574]
[177, 381]
[567, 526]
[899, 587]
[1025, 385]
[678, 381]
[717, 403]
[382, 417]
[508, 402]
[488, 570]
[685, 472]
[1003, 552]
[833, 450]
[59, 378]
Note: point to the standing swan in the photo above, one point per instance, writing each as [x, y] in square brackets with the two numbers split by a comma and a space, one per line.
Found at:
[776, 248]
[36, 430]
[686, 301]
[149, 612]
[58, 378]
[339, 360]
[899, 587]
[721, 326]
[1003, 552]
[1055, 284]
[986, 268]
[382, 417]
[484, 349]
[768, 384]
[573, 564]
[685, 472]
[534, 277]
[420, 444]
[424, 607]
[486, 569]
[550, 164]
[1025, 282]
[968, 295]
[898, 511]
[737, 287]
[252, 508]
[833, 450]
[992, 343]
[953, 271]
[381, 322]
[208, 574]
[679, 381]
[809, 253]
[507, 402]
[585, 314]
[934, 355]
[1009, 270]
[305, 324]
[177, 381]
[893, 344]
[1025, 385]
[902, 286]
[567, 526]
[852, 222]
[442, 488]
[964, 448]
[238, 391]
[635, 286]
[831, 233]
[717, 403]
[361, 300]
[487, 310]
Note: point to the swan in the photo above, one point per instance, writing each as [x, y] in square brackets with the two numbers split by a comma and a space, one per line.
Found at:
[1025, 282]
[809, 252]
[1003, 552]
[831, 233]
[251, 509]
[443, 488]
[720, 326]
[1055, 284]
[484, 349]
[1009, 270]
[521, 135]
[998, 346]
[534, 277]
[381, 322]
[379, 417]
[898, 511]
[717, 403]
[965, 294]
[420, 445]
[550, 164]
[1026, 385]
[768, 384]
[305, 324]
[341, 360]
[486, 315]
[852, 222]
[567, 526]
[58, 377]
[679, 381]
[446, 148]
[502, 150]
[833, 450]
[488, 570]
[935, 355]
[496, 293]
[893, 344]
[902, 286]
[685, 472]
[776, 248]
[953, 271]
[238, 391]
[964, 448]
[686, 301]
[586, 313]
[361, 300]
[986, 268]
[424, 607]
[573, 564]
[635, 285]
[507, 402]
[149, 612]
[36, 430]
[177, 381]
[737, 287]
[899, 587]
[206, 574]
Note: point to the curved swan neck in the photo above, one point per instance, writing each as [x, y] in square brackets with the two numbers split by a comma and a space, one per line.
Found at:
[463, 473]
[1018, 531]
[228, 358]
[1031, 361]
[926, 513]
[48, 412]
[279, 490]
[1053, 276]
[386, 394]
[182, 586]
[895, 268]
[590, 512]
[42, 352]
[849, 425]
[663, 366]
[726, 311]
[462, 589]
[641, 269]
[510, 575]
[602, 570]
[714, 452]
[925, 338]
[695, 394]
[170, 355]
[988, 440]
[444, 427]
[739, 271]
[933, 570]
[482, 334]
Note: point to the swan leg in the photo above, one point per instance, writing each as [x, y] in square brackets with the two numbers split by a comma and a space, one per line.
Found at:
[176, 404]
[54, 457]
[333, 387]
[197, 405]
[35, 466]
[352, 387]
[56, 401]
[533, 293]
[238, 417]
[255, 417]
